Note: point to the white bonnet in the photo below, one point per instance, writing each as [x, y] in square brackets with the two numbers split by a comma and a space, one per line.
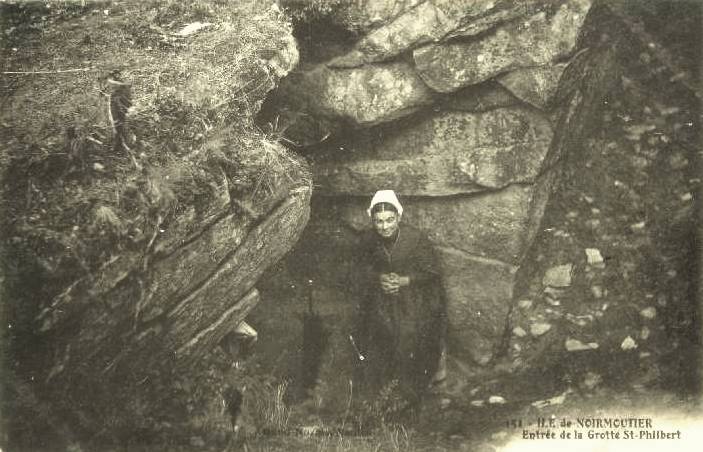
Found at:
[385, 196]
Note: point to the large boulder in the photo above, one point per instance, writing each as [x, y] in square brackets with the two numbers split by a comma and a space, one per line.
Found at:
[478, 292]
[539, 40]
[430, 21]
[357, 97]
[444, 154]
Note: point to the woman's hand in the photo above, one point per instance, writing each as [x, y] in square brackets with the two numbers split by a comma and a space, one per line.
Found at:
[392, 282]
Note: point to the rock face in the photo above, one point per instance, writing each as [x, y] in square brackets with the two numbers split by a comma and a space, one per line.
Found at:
[428, 22]
[363, 96]
[473, 155]
[168, 206]
[198, 292]
[522, 48]
[539, 40]
[535, 85]
[444, 154]
[358, 16]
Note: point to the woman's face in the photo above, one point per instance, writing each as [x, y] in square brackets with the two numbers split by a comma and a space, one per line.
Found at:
[385, 223]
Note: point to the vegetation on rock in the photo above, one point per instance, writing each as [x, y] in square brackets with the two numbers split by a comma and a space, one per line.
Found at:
[125, 126]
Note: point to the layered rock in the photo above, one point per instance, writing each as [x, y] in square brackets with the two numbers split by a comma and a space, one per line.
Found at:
[428, 22]
[159, 207]
[447, 153]
[433, 47]
[539, 40]
[189, 299]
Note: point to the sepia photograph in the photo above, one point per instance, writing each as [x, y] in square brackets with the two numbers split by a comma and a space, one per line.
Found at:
[351, 225]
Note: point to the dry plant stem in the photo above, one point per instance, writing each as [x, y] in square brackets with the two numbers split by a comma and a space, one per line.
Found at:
[61, 71]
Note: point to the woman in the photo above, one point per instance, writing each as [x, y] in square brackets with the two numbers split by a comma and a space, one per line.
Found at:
[401, 317]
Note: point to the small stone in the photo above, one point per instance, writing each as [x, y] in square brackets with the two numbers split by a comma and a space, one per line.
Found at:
[574, 345]
[477, 403]
[644, 334]
[444, 403]
[558, 276]
[484, 359]
[594, 258]
[588, 199]
[524, 304]
[593, 223]
[686, 197]
[678, 161]
[597, 291]
[591, 380]
[553, 293]
[496, 400]
[519, 332]
[557, 400]
[637, 227]
[553, 302]
[628, 344]
[649, 313]
[578, 320]
[595, 211]
[571, 215]
[661, 300]
[518, 363]
[539, 329]
[644, 355]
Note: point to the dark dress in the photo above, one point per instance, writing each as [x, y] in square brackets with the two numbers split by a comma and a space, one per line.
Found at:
[398, 334]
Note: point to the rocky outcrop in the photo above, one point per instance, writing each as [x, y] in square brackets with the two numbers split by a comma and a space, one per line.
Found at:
[432, 48]
[539, 40]
[474, 163]
[158, 203]
[170, 315]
